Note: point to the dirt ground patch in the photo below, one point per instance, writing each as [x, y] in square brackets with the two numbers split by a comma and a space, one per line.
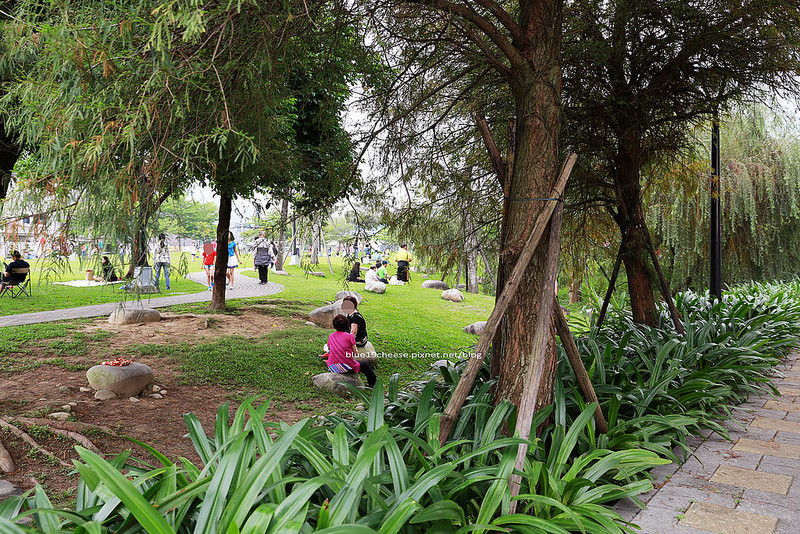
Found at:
[45, 384]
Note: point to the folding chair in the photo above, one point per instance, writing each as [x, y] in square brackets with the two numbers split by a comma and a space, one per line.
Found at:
[15, 289]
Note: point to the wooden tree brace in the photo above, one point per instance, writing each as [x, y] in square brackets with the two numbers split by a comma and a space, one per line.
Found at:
[562, 328]
[474, 364]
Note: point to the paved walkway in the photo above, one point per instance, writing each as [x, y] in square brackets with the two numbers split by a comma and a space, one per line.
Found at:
[246, 286]
[748, 486]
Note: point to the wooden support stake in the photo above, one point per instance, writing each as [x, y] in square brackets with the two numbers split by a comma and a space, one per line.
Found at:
[562, 328]
[541, 338]
[473, 366]
[665, 292]
[611, 283]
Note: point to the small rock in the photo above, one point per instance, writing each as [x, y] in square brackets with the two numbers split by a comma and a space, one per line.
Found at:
[64, 389]
[60, 416]
[126, 381]
[309, 323]
[360, 406]
[316, 273]
[7, 489]
[453, 295]
[156, 396]
[134, 316]
[105, 394]
[84, 389]
[462, 287]
[156, 388]
[134, 399]
[162, 392]
[73, 404]
[66, 407]
[375, 287]
[280, 273]
[333, 382]
[476, 328]
[435, 284]
[441, 363]
[342, 294]
[367, 354]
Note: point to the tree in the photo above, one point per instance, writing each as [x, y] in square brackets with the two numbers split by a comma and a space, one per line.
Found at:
[760, 198]
[451, 52]
[640, 74]
[188, 219]
[10, 147]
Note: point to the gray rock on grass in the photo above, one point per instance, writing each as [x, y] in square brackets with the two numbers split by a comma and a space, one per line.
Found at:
[453, 295]
[105, 394]
[280, 273]
[324, 316]
[476, 328]
[125, 381]
[134, 316]
[342, 294]
[367, 354]
[435, 284]
[333, 382]
[375, 287]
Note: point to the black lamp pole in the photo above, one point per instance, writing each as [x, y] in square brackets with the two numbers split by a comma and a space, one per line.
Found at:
[716, 232]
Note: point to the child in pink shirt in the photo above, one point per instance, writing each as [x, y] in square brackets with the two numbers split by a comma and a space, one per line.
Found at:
[342, 348]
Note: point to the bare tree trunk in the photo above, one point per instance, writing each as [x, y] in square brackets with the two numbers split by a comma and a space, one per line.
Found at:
[315, 238]
[576, 281]
[488, 267]
[471, 252]
[221, 264]
[282, 234]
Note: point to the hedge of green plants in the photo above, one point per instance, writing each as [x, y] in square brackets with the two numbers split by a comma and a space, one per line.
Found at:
[383, 470]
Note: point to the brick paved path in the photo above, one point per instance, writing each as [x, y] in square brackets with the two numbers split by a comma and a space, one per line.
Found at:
[246, 286]
[748, 486]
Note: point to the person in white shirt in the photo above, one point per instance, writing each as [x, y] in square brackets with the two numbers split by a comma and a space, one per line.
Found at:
[162, 260]
[372, 275]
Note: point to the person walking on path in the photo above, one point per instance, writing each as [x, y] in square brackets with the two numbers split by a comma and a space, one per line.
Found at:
[162, 260]
[262, 256]
[403, 259]
[233, 258]
[209, 257]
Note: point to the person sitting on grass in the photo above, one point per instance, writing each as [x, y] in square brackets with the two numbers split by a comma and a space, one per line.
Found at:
[108, 271]
[342, 348]
[383, 275]
[9, 277]
[372, 274]
[355, 273]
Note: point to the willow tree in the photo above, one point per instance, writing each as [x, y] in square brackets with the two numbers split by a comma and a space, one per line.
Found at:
[10, 146]
[760, 195]
[180, 94]
[448, 53]
[640, 74]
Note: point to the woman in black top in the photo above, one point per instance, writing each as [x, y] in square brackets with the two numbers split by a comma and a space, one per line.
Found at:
[358, 326]
[355, 273]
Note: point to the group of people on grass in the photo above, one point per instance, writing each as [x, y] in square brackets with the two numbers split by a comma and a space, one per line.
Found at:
[378, 272]
[264, 254]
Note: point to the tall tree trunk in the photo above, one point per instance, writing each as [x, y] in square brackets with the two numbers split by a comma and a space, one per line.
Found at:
[315, 224]
[221, 264]
[471, 251]
[630, 218]
[9, 154]
[282, 234]
[488, 267]
[576, 281]
[537, 98]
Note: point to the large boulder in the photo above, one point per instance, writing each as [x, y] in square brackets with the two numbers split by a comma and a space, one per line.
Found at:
[134, 316]
[324, 316]
[342, 294]
[375, 287]
[435, 284]
[125, 380]
[453, 295]
[476, 328]
[333, 382]
[367, 354]
[462, 287]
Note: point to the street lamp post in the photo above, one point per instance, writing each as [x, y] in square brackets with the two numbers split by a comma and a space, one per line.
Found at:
[715, 288]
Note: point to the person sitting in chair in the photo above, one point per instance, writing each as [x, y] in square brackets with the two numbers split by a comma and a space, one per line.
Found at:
[108, 271]
[11, 278]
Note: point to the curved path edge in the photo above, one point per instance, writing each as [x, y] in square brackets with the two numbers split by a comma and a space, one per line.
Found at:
[246, 286]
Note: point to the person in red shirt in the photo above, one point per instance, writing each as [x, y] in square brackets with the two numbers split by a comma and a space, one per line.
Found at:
[209, 256]
[342, 347]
